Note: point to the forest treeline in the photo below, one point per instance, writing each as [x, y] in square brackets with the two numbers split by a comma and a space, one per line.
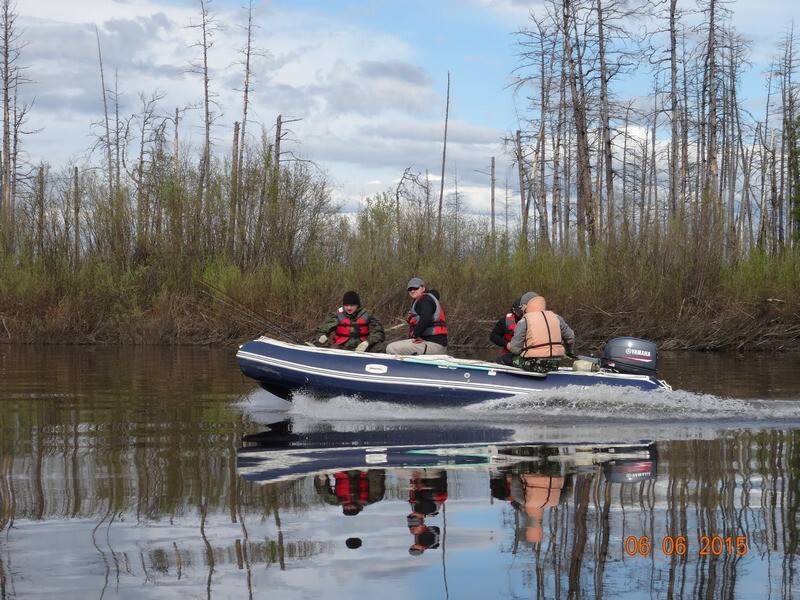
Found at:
[672, 216]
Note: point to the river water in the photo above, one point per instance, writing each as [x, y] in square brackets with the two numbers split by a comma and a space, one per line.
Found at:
[163, 473]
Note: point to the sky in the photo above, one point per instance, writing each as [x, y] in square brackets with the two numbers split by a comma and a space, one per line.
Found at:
[361, 85]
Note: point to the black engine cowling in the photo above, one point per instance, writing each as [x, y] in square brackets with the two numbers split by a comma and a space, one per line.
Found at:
[630, 355]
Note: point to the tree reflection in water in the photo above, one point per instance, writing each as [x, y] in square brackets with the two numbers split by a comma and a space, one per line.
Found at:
[122, 473]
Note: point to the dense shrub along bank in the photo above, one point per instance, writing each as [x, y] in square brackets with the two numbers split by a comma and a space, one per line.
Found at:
[163, 265]
[751, 304]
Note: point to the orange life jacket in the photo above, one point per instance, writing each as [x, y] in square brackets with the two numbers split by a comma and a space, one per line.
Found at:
[543, 335]
[351, 328]
[439, 326]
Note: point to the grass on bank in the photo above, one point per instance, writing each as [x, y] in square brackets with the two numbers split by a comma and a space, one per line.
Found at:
[691, 302]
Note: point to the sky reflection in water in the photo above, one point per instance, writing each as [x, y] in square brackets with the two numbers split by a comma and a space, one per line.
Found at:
[153, 474]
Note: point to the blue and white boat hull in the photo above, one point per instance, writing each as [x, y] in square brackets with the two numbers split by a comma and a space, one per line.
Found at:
[282, 368]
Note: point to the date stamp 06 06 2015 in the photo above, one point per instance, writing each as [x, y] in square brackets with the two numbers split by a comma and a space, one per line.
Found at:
[709, 545]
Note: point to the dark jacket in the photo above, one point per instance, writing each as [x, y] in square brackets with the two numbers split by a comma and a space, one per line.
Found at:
[426, 308]
[501, 335]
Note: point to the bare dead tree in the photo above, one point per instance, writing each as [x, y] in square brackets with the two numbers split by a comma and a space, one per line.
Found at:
[524, 192]
[791, 135]
[12, 76]
[207, 28]
[444, 161]
[105, 141]
[149, 127]
[674, 173]
[237, 226]
[586, 215]
[76, 258]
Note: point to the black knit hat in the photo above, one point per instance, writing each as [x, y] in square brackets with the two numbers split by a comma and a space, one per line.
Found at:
[351, 298]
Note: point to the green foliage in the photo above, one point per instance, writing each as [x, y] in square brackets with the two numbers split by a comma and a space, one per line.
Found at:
[169, 265]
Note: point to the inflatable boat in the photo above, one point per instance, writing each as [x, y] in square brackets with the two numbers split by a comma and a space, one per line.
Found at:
[284, 368]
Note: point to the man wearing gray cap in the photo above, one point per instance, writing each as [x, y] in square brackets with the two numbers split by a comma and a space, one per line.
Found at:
[427, 325]
[541, 337]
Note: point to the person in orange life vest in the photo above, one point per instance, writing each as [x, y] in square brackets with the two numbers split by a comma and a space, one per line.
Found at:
[531, 494]
[541, 338]
[504, 330]
[351, 327]
[427, 332]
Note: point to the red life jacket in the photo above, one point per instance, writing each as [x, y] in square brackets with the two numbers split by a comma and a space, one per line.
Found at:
[511, 325]
[439, 326]
[351, 328]
[351, 487]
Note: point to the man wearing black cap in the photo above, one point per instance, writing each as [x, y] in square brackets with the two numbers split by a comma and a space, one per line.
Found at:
[351, 327]
[427, 332]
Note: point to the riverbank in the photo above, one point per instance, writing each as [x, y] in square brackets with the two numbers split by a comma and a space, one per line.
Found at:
[750, 306]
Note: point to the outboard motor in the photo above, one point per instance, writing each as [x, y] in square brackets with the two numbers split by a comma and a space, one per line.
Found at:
[630, 355]
[630, 471]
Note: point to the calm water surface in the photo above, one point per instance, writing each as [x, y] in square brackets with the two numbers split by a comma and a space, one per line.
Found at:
[162, 473]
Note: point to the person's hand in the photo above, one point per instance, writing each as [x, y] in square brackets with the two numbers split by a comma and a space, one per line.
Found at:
[322, 339]
[417, 340]
[362, 347]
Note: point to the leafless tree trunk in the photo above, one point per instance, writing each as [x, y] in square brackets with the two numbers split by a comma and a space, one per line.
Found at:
[563, 227]
[276, 164]
[674, 173]
[494, 180]
[40, 212]
[8, 39]
[524, 193]
[14, 116]
[76, 219]
[207, 28]
[791, 138]
[626, 220]
[234, 191]
[444, 161]
[586, 217]
[237, 181]
[605, 120]
[107, 138]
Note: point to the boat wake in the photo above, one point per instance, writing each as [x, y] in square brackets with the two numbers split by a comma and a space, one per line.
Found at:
[573, 405]
[610, 415]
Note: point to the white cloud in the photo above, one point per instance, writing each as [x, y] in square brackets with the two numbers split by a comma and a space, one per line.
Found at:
[367, 83]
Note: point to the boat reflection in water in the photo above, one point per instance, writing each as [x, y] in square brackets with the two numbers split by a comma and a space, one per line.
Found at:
[414, 479]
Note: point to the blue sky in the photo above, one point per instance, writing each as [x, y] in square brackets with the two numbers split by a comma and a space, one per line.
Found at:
[367, 79]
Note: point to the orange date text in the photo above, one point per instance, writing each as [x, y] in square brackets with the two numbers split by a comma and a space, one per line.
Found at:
[708, 545]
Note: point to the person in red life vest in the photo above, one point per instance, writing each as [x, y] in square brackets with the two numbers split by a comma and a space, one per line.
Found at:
[541, 338]
[504, 330]
[424, 537]
[353, 489]
[351, 327]
[427, 331]
[427, 494]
